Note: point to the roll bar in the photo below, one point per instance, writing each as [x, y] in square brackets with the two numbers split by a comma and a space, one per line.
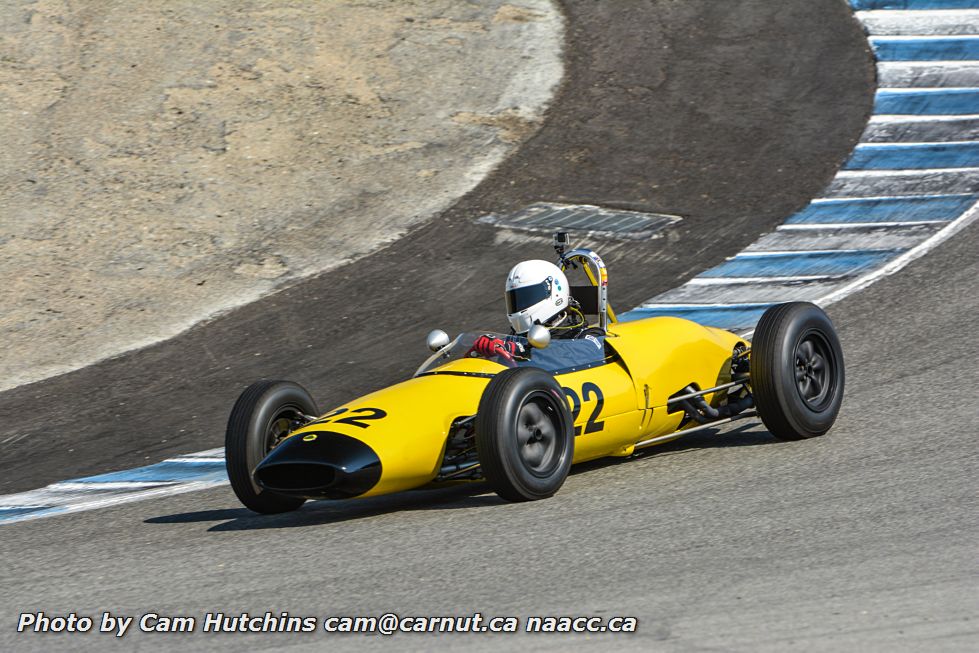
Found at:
[595, 270]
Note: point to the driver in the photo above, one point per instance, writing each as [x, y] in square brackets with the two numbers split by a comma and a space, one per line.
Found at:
[536, 293]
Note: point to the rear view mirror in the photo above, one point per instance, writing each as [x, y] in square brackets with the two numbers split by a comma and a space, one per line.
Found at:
[538, 336]
[437, 339]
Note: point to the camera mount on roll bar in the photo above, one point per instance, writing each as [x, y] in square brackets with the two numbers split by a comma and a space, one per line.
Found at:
[594, 268]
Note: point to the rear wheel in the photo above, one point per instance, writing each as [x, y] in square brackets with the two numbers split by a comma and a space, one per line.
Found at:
[797, 372]
[524, 434]
[264, 414]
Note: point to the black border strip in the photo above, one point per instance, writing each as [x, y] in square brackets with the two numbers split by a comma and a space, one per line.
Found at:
[482, 375]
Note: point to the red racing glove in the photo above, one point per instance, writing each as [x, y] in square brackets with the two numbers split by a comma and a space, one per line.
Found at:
[487, 346]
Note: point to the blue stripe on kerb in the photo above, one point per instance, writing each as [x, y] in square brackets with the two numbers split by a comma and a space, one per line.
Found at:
[8, 513]
[928, 102]
[891, 209]
[168, 470]
[863, 5]
[723, 317]
[914, 156]
[791, 264]
[174, 475]
[950, 48]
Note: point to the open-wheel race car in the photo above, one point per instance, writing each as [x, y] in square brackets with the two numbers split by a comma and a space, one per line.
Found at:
[520, 422]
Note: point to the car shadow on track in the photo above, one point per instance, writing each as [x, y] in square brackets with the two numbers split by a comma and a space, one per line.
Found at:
[745, 435]
[474, 495]
[751, 434]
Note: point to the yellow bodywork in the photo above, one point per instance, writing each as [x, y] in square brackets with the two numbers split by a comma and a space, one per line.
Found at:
[656, 357]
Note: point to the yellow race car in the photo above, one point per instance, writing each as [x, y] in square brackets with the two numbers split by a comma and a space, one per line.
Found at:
[519, 424]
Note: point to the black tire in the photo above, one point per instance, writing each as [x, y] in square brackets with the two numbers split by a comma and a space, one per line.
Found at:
[797, 371]
[258, 420]
[524, 434]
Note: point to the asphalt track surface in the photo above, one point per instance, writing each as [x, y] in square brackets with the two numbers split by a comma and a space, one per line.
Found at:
[864, 538]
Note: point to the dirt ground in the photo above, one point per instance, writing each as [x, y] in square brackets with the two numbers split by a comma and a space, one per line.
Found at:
[162, 163]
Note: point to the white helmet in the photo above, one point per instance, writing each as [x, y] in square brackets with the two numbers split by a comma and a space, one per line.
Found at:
[536, 291]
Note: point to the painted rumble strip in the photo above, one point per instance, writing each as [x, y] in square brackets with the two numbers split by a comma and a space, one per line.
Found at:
[928, 74]
[948, 22]
[196, 471]
[887, 209]
[791, 264]
[927, 101]
[918, 129]
[898, 156]
[911, 48]
[863, 5]
[911, 184]
[936, 182]
[724, 316]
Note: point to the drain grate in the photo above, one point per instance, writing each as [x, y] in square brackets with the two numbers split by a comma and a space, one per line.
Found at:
[592, 220]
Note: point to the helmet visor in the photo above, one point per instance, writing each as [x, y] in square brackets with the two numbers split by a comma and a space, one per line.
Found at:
[519, 299]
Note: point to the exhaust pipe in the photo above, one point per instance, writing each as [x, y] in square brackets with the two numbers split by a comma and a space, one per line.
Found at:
[320, 465]
[703, 413]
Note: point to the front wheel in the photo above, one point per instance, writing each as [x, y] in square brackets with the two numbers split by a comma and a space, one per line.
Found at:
[524, 434]
[797, 373]
[264, 414]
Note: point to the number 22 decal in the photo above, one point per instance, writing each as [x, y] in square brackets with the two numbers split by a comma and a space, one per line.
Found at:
[587, 390]
[355, 417]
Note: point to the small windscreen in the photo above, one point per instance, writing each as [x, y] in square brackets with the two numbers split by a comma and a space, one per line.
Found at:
[560, 357]
[520, 298]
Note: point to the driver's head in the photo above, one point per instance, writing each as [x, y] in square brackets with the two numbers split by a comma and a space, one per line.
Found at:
[536, 291]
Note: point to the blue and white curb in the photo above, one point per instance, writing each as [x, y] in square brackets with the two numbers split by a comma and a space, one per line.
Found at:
[910, 184]
[189, 473]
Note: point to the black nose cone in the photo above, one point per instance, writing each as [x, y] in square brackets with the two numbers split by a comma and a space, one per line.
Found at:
[320, 465]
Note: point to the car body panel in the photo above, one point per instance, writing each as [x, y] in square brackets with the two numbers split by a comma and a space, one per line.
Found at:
[410, 437]
[669, 353]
